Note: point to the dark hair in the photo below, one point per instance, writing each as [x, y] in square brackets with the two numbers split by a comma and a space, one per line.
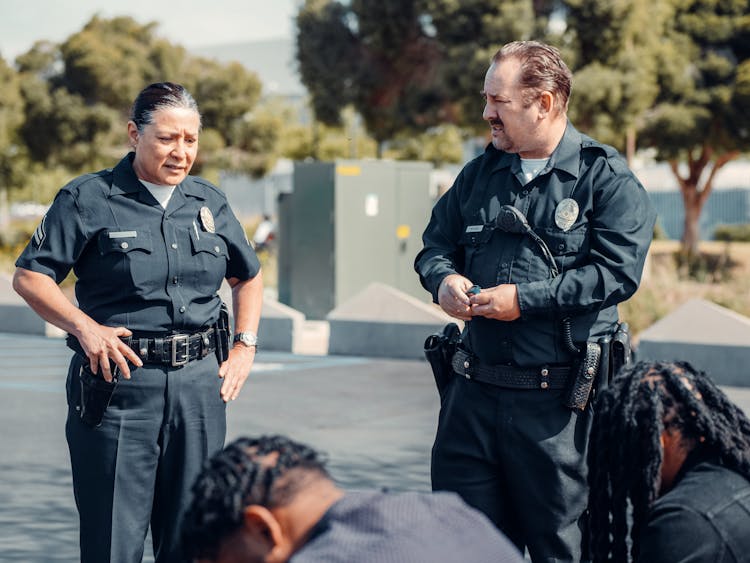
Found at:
[267, 471]
[542, 70]
[158, 96]
[625, 455]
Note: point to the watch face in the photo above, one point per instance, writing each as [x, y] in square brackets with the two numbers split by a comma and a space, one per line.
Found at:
[247, 338]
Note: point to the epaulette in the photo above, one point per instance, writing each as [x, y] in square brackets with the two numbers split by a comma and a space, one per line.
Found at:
[615, 160]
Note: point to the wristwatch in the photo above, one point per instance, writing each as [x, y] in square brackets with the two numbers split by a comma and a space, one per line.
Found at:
[247, 338]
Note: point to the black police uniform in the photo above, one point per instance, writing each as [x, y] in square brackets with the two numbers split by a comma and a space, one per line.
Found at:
[377, 527]
[156, 272]
[704, 518]
[517, 453]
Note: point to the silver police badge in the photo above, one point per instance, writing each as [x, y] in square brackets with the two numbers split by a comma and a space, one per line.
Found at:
[566, 213]
[207, 220]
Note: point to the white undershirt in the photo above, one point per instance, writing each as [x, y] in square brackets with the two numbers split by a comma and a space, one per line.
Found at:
[161, 192]
[531, 167]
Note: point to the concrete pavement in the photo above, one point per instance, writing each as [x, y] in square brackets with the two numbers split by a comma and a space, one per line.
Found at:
[375, 419]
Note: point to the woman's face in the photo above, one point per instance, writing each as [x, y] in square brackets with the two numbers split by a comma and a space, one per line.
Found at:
[165, 150]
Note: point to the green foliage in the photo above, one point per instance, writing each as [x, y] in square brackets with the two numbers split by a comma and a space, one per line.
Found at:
[733, 233]
[439, 145]
[108, 61]
[65, 106]
[702, 101]
[406, 66]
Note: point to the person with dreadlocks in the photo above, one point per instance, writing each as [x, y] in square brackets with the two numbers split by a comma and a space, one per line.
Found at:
[271, 500]
[669, 469]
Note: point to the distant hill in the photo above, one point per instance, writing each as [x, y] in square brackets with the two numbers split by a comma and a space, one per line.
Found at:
[273, 60]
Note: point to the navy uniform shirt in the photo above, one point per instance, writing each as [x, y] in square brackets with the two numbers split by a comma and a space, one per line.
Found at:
[375, 527]
[599, 253]
[704, 518]
[138, 265]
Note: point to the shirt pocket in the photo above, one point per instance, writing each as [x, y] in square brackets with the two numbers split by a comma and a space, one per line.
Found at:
[570, 249]
[477, 267]
[209, 260]
[126, 258]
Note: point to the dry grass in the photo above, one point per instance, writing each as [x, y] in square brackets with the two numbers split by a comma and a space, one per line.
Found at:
[724, 280]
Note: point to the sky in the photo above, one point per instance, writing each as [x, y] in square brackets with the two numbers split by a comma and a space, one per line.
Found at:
[190, 23]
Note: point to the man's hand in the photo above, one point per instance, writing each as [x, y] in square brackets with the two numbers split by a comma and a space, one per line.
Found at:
[235, 369]
[102, 344]
[499, 303]
[452, 296]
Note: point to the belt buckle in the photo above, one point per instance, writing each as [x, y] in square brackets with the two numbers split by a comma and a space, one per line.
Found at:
[180, 340]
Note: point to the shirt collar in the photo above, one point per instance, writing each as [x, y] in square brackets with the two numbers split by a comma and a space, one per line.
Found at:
[566, 155]
[125, 181]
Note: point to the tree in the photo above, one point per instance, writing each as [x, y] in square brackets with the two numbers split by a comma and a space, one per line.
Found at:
[406, 66]
[11, 118]
[375, 56]
[615, 83]
[77, 96]
[676, 71]
[701, 118]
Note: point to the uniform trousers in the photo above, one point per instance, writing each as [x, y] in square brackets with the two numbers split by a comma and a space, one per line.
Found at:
[519, 456]
[137, 468]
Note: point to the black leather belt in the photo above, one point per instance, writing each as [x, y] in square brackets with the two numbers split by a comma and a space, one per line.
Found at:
[555, 377]
[175, 349]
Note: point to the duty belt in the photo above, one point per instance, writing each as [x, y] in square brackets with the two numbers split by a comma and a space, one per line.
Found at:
[175, 349]
[553, 377]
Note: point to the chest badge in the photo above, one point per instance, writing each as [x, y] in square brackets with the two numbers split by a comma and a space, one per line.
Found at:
[207, 220]
[566, 213]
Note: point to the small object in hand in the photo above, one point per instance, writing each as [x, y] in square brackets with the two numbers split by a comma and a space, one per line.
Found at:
[474, 290]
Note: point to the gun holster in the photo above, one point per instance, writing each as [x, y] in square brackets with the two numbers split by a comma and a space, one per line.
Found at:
[222, 334]
[585, 374]
[439, 349]
[96, 393]
[622, 354]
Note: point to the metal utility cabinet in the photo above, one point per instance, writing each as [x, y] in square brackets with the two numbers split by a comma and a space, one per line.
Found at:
[349, 223]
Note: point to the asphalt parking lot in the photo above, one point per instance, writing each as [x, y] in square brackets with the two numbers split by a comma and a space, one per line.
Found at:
[374, 418]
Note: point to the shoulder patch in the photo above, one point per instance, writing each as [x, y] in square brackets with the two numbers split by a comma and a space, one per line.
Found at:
[40, 233]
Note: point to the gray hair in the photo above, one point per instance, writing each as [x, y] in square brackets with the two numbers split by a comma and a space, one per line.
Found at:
[160, 95]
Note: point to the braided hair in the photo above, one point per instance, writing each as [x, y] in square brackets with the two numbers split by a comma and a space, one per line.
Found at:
[260, 471]
[625, 455]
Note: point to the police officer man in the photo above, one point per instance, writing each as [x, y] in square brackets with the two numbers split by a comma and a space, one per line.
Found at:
[553, 229]
[150, 246]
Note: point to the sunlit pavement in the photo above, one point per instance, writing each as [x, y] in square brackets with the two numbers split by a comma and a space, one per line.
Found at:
[374, 418]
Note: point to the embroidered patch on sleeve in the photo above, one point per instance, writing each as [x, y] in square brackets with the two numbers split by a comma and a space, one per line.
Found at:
[40, 233]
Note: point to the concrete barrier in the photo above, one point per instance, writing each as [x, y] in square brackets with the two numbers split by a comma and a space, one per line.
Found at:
[710, 337]
[383, 322]
[280, 327]
[18, 318]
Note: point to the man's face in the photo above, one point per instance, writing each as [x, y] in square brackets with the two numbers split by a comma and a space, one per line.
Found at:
[514, 128]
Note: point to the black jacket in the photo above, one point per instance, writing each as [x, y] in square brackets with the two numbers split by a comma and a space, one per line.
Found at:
[704, 518]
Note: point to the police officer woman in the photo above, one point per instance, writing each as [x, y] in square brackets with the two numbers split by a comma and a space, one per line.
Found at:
[147, 391]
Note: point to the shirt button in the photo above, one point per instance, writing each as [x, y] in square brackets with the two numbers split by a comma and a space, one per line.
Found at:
[174, 245]
[123, 245]
[504, 265]
[561, 246]
[216, 249]
[525, 192]
[182, 309]
[174, 280]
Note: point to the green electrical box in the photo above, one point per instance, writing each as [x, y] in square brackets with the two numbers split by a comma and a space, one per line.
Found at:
[347, 224]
